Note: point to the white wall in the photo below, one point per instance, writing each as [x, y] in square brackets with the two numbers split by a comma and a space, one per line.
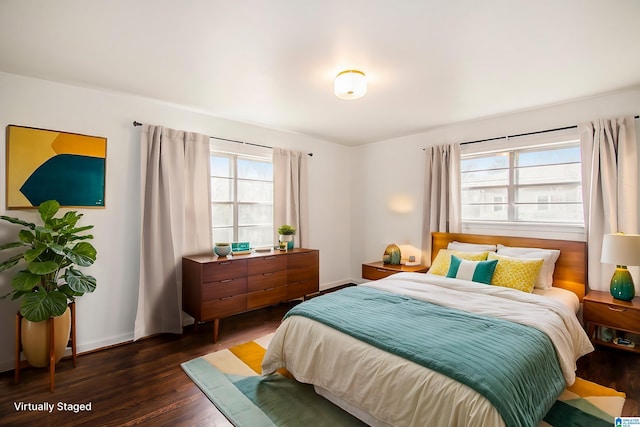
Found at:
[392, 171]
[106, 316]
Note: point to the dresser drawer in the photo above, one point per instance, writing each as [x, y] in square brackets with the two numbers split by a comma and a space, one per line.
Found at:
[375, 273]
[303, 259]
[613, 316]
[302, 288]
[224, 288]
[216, 271]
[267, 280]
[266, 297]
[224, 307]
[303, 273]
[267, 264]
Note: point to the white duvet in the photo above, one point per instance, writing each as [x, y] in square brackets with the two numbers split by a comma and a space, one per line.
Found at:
[385, 389]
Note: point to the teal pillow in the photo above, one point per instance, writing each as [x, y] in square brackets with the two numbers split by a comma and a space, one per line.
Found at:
[476, 271]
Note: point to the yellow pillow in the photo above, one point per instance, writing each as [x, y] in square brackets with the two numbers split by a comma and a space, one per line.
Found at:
[440, 264]
[516, 273]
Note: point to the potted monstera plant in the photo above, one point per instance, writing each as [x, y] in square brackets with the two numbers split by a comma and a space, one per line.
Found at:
[49, 254]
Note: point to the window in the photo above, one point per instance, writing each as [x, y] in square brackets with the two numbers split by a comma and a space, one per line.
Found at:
[536, 180]
[242, 197]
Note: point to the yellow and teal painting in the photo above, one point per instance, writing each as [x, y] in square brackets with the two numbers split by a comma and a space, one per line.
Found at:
[45, 164]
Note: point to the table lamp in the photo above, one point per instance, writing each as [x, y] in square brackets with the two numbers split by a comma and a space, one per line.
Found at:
[622, 250]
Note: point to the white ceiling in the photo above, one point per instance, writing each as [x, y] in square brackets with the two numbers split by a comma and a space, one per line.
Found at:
[272, 63]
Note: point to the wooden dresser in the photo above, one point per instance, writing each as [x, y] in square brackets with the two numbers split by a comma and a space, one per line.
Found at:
[214, 287]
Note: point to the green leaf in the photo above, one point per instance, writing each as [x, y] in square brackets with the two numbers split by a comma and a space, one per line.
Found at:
[33, 253]
[83, 254]
[39, 306]
[18, 221]
[11, 245]
[8, 263]
[26, 236]
[44, 234]
[57, 249]
[25, 281]
[48, 209]
[80, 282]
[43, 268]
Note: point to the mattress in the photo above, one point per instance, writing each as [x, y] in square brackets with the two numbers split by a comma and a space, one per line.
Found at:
[384, 389]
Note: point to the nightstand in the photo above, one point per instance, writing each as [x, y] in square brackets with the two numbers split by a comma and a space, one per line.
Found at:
[378, 270]
[601, 309]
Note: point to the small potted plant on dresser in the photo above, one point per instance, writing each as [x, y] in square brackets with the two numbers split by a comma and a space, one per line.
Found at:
[286, 233]
[49, 280]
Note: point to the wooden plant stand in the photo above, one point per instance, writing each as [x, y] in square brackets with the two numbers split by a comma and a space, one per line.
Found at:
[52, 354]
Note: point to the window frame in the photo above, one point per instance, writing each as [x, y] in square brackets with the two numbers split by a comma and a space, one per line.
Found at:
[555, 139]
[236, 152]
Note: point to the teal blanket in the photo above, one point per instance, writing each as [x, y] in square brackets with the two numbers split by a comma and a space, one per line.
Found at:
[514, 366]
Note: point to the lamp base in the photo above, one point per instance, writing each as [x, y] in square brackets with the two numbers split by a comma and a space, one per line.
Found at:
[622, 287]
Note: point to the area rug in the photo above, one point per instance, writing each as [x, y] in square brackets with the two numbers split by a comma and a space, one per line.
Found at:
[231, 379]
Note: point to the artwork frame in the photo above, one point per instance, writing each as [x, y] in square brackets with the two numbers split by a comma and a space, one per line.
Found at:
[43, 164]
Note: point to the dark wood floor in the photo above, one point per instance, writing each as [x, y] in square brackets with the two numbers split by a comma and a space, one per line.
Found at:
[142, 383]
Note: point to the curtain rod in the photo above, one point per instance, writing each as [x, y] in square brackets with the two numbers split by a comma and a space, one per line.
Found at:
[525, 134]
[136, 123]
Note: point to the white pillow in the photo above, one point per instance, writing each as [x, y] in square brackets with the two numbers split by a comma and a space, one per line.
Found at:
[470, 247]
[550, 256]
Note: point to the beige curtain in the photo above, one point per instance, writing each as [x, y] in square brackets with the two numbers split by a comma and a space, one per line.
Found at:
[441, 203]
[290, 193]
[175, 196]
[609, 188]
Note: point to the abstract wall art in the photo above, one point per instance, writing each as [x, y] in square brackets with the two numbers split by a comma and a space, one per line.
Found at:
[47, 164]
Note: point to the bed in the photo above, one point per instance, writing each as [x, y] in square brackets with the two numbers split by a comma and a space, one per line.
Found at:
[417, 349]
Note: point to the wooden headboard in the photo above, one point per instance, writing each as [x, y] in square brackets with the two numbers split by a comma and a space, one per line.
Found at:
[571, 267]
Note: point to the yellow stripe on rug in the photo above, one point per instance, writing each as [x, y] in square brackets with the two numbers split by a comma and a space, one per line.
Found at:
[251, 354]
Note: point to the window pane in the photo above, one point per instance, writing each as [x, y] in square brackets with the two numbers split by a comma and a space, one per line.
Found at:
[549, 174]
[485, 204]
[548, 157]
[558, 213]
[485, 171]
[221, 189]
[256, 236]
[255, 191]
[484, 212]
[487, 178]
[482, 163]
[223, 235]
[255, 169]
[220, 166]
[222, 214]
[550, 193]
[255, 214]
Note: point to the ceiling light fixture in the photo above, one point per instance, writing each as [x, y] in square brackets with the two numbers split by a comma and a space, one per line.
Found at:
[350, 84]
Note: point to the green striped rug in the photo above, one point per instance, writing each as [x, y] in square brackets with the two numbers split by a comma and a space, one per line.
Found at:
[231, 379]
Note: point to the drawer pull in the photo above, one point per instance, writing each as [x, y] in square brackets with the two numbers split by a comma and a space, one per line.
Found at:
[226, 298]
[268, 258]
[226, 280]
[268, 274]
[269, 289]
[225, 263]
[617, 310]
[381, 270]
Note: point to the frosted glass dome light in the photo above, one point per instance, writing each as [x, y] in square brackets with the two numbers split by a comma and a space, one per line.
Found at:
[350, 84]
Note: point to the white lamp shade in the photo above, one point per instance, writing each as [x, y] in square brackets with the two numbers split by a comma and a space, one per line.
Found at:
[350, 84]
[621, 249]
